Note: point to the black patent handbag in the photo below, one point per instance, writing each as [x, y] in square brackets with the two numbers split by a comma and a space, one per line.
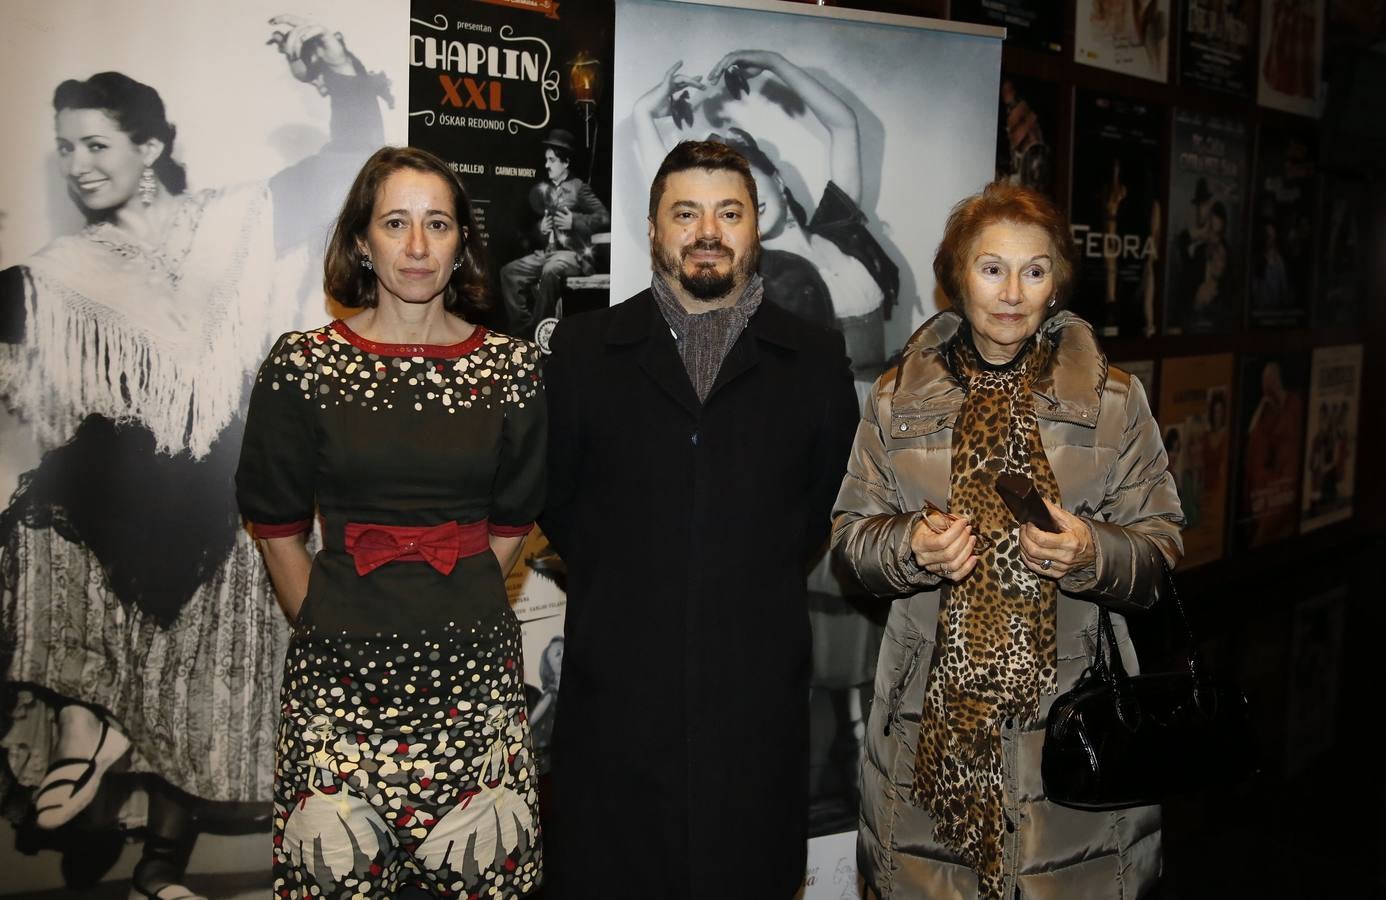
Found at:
[1118, 740]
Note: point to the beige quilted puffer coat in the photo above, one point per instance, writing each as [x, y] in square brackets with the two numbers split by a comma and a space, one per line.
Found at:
[1105, 449]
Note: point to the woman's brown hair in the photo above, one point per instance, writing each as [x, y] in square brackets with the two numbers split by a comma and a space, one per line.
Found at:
[350, 284]
[1001, 202]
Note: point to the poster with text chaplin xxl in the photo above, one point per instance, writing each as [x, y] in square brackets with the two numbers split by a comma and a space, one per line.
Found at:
[516, 96]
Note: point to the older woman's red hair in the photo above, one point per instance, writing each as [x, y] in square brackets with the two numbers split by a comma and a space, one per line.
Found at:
[1001, 202]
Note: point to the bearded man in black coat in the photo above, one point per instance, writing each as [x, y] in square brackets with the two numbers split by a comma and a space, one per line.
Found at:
[698, 436]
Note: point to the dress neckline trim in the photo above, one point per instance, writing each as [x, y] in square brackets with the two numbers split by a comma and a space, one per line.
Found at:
[445, 351]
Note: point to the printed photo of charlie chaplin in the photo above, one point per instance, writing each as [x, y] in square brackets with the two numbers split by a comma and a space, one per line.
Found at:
[566, 214]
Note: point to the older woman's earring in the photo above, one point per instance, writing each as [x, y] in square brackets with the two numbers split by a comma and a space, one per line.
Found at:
[367, 264]
[148, 186]
[1052, 301]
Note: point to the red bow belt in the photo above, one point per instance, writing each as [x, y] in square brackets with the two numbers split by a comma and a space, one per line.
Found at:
[372, 546]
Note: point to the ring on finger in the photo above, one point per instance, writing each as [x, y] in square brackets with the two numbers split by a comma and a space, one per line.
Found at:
[1047, 564]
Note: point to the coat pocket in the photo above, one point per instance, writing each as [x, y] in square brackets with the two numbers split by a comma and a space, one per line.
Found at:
[896, 696]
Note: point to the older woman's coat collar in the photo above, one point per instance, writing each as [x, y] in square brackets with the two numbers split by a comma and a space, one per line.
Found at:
[927, 396]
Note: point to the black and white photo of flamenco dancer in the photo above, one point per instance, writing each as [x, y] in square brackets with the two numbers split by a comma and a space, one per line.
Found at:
[566, 214]
[824, 264]
[140, 641]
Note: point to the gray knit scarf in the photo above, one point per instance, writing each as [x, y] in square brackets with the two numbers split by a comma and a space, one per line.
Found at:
[704, 339]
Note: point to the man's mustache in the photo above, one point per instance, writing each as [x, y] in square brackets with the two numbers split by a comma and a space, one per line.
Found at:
[706, 246]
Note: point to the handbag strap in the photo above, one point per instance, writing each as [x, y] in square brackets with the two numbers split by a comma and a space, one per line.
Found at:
[1108, 659]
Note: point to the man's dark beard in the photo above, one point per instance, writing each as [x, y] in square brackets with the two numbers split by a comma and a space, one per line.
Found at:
[705, 283]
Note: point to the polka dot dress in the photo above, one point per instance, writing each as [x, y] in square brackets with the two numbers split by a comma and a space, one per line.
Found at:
[404, 754]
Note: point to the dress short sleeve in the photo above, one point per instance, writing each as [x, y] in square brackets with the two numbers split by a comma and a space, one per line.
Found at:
[274, 480]
[520, 483]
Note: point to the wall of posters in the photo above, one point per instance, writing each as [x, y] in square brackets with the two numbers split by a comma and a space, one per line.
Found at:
[1027, 127]
[1337, 302]
[1131, 38]
[145, 599]
[1330, 453]
[519, 101]
[1205, 255]
[1038, 24]
[1290, 69]
[1216, 41]
[1271, 413]
[1116, 212]
[1284, 203]
[1195, 413]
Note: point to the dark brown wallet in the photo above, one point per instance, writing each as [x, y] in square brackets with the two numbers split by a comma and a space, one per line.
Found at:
[1025, 502]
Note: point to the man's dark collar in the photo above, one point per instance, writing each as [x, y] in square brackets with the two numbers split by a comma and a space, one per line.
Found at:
[635, 319]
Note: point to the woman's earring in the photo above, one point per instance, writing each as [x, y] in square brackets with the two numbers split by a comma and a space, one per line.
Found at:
[457, 264]
[367, 264]
[1052, 301]
[148, 186]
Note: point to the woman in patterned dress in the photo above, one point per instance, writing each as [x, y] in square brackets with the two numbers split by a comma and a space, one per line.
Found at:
[417, 437]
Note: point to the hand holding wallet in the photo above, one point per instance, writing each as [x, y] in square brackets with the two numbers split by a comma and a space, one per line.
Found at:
[1024, 502]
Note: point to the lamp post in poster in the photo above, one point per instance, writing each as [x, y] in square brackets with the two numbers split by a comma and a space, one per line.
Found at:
[584, 78]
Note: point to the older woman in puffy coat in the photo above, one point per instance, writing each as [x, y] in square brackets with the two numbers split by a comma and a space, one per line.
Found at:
[991, 619]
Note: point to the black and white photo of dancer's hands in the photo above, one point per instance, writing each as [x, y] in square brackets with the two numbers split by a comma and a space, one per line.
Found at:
[739, 65]
[660, 101]
[309, 47]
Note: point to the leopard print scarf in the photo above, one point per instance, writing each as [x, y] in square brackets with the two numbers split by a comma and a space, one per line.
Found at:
[996, 641]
